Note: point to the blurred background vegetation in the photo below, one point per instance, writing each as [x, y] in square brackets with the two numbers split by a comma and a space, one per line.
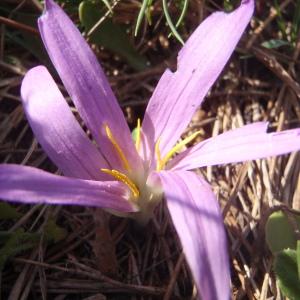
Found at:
[67, 253]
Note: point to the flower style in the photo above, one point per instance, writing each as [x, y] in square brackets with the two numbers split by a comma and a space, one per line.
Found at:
[127, 177]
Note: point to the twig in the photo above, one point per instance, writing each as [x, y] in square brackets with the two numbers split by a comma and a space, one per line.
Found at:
[273, 65]
[272, 15]
[94, 28]
[19, 25]
[174, 276]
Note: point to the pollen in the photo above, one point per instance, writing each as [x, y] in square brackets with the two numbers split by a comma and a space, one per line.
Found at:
[117, 147]
[161, 162]
[125, 179]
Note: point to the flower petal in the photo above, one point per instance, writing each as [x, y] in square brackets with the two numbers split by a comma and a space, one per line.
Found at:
[246, 143]
[30, 185]
[56, 128]
[85, 82]
[200, 62]
[199, 224]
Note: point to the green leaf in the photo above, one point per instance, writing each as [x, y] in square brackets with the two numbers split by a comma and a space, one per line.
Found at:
[296, 22]
[27, 40]
[108, 6]
[71, 6]
[53, 232]
[182, 14]
[30, 41]
[273, 44]
[16, 242]
[170, 23]
[281, 22]
[228, 6]
[8, 212]
[279, 232]
[141, 16]
[298, 258]
[134, 134]
[108, 34]
[287, 273]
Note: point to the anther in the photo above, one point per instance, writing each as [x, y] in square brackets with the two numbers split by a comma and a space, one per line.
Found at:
[138, 135]
[125, 179]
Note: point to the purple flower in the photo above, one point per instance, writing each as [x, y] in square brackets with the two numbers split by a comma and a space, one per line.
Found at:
[127, 177]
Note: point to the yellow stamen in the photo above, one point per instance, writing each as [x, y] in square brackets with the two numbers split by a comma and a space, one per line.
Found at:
[125, 179]
[162, 162]
[138, 134]
[117, 148]
[158, 156]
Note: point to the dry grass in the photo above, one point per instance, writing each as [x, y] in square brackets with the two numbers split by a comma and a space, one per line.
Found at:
[147, 263]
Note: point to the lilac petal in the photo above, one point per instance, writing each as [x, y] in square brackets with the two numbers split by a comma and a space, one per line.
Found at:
[85, 82]
[56, 128]
[199, 224]
[200, 62]
[246, 143]
[30, 185]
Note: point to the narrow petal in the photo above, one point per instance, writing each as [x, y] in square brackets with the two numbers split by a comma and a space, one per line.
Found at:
[198, 222]
[246, 143]
[200, 62]
[85, 82]
[56, 128]
[30, 185]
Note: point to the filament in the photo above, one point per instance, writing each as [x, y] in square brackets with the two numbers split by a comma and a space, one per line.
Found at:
[117, 148]
[125, 179]
[161, 162]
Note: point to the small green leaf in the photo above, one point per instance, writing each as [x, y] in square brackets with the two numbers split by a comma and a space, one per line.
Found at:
[170, 23]
[107, 4]
[281, 22]
[8, 212]
[148, 12]
[109, 34]
[53, 232]
[296, 22]
[70, 6]
[182, 15]
[141, 16]
[273, 44]
[279, 232]
[298, 258]
[183, 12]
[16, 242]
[287, 273]
[29, 41]
[134, 134]
[230, 5]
